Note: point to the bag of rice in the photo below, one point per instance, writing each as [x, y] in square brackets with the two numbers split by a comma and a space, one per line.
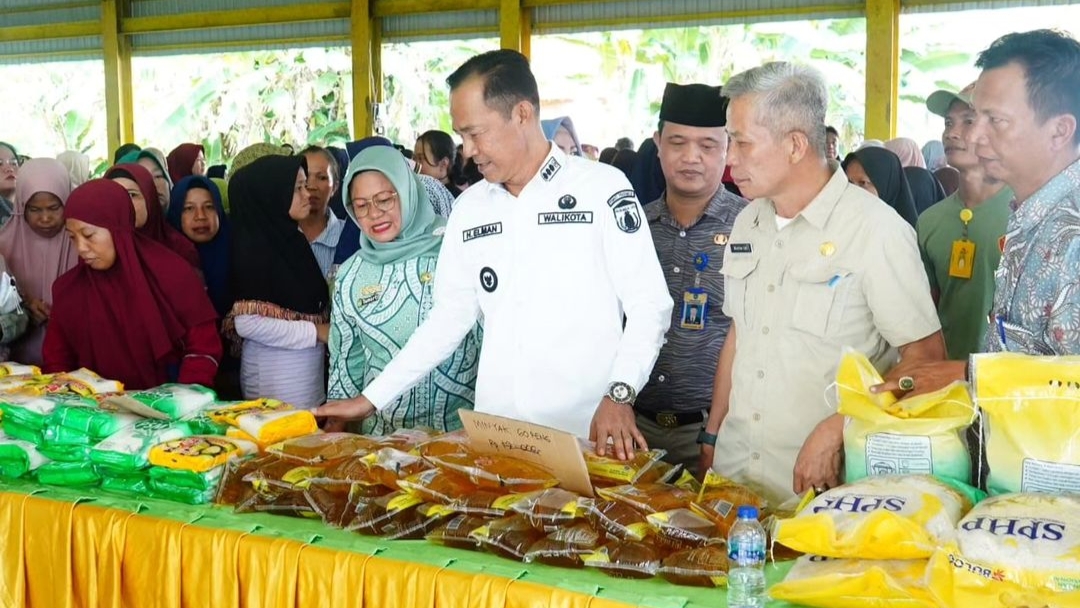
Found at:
[10, 368]
[855, 583]
[133, 484]
[199, 453]
[32, 384]
[72, 474]
[84, 382]
[17, 457]
[84, 423]
[179, 478]
[65, 453]
[229, 413]
[924, 434]
[33, 411]
[1012, 550]
[1031, 421]
[172, 401]
[130, 448]
[889, 517]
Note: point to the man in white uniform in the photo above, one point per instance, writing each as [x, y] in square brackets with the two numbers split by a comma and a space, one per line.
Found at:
[553, 251]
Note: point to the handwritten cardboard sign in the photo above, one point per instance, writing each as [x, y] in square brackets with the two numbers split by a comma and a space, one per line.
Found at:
[554, 451]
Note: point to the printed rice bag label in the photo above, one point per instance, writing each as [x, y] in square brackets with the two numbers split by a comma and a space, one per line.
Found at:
[199, 453]
[130, 448]
[231, 413]
[10, 368]
[1031, 414]
[172, 401]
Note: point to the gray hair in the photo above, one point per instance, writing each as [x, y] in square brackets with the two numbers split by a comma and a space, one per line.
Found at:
[791, 98]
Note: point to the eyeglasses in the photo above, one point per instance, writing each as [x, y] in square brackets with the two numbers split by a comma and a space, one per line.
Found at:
[384, 202]
[9, 162]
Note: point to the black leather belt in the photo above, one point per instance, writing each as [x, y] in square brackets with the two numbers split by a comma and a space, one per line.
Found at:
[670, 420]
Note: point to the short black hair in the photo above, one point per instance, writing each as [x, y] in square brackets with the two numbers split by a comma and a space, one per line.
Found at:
[1051, 63]
[829, 129]
[624, 143]
[331, 161]
[508, 79]
[124, 150]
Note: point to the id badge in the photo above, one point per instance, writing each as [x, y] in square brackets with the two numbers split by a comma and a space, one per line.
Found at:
[962, 260]
[695, 305]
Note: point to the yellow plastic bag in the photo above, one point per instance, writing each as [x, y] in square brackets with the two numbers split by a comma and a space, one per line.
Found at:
[855, 583]
[1031, 413]
[1011, 551]
[920, 435]
[889, 517]
[199, 453]
[11, 368]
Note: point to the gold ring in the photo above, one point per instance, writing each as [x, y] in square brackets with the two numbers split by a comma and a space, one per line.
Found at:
[907, 383]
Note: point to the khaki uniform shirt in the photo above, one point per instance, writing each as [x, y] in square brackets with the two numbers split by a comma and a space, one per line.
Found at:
[845, 272]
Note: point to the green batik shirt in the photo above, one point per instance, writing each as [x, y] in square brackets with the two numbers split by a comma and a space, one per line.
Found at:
[376, 309]
[963, 304]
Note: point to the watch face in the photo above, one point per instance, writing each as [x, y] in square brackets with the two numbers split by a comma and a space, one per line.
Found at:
[620, 392]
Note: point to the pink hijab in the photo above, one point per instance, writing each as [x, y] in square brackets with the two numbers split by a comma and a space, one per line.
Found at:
[36, 261]
[909, 152]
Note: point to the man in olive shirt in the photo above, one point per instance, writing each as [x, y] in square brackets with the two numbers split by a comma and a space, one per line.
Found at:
[960, 237]
[813, 265]
[690, 224]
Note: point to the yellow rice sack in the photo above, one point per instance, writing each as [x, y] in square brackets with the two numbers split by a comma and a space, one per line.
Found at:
[889, 517]
[1031, 416]
[919, 435]
[855, 583]
[1013, 551]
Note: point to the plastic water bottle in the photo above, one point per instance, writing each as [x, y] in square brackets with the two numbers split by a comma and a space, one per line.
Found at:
[746, 561]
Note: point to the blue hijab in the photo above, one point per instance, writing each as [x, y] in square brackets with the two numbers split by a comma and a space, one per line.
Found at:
[214, 255]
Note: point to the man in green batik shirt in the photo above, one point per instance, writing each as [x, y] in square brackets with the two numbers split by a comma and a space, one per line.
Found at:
[960, 237]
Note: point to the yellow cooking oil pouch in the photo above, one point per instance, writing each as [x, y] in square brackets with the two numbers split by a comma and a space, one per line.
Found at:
[924, 434]
[824, 582]
[1031, 421]
[887, 517]
[1012, 551]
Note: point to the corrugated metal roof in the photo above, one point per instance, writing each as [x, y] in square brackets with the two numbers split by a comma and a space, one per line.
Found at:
[56, 49]
[458, 25]
[935, 6]
[51, 16]
[35, 4]
[157, 8]
[309, 33]
[581, 17]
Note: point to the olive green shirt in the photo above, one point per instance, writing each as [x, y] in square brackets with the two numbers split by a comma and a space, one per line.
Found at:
[964, 304]
[844, 273]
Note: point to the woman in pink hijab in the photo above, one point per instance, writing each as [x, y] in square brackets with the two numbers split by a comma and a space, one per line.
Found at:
[909, 152]
[35, 246]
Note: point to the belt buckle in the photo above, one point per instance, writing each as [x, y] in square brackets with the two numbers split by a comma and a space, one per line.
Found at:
[667, 420]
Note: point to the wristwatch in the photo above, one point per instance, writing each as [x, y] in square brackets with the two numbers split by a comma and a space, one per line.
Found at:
[706, 438]
[621, 393]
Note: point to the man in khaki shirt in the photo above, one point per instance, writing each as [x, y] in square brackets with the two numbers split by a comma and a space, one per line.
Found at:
[813, 265]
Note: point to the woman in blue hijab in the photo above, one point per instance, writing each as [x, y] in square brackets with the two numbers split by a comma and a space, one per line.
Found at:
[196, 210]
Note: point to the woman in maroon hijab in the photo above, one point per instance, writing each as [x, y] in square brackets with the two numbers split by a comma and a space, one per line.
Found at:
[186, 160]
[131, 310]
[149, 218]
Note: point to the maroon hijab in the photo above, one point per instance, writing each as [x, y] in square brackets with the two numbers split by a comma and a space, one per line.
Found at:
[155, 227]
[128, 322]
[181, 160]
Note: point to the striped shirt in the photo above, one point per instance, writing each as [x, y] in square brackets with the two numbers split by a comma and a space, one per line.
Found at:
[282, 360]
[682, 379]
[324, 246]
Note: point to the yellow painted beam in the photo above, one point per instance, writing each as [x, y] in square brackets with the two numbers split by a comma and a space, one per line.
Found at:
[237, 18]
[510, 24]
[119, 126]
[376, 59]
[526, 32]
[393, 8]
[883, 79]
[75, 29]
[362, 64]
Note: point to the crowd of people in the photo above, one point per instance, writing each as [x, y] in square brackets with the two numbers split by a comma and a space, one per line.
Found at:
[693, 295]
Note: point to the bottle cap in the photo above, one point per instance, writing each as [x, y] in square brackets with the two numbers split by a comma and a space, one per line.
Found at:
[748, 512]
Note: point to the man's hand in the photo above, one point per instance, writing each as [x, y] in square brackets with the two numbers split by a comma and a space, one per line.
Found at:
[617, 422]
[39, 311]
[928, 376]
[818, 464]
[347, 409]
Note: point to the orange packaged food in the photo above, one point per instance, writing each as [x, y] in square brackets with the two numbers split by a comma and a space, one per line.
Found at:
[617, 519]
[606, 471]
[437, 485]
[447, 443]
[349, 472]
[457, 531]
[389, 465]
[485, 502]
[626, 559]
[417, 524]
[233, 489]
[682, 529]
[292, 503]
[323, 447]
[377, 515]
[551, 508]
[565, 546]
[649, 497]
[404, 439]
[499, 472]
[702, 567]
[509, 537]
[720, 499]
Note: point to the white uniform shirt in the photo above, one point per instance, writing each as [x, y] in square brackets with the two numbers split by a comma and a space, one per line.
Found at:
[552, 271]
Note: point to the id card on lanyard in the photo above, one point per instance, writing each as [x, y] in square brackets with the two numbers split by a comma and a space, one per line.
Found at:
[695, 304]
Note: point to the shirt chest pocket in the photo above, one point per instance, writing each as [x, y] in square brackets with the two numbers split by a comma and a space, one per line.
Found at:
[737, 271]
[818, 294]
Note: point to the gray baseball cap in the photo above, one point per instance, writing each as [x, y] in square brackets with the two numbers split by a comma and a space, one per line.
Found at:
[939, 101]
